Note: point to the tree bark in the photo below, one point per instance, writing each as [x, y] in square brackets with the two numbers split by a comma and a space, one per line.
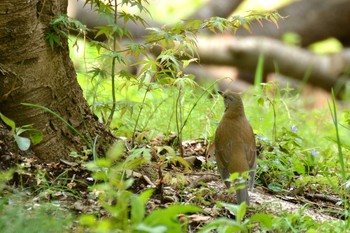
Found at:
[32, 72]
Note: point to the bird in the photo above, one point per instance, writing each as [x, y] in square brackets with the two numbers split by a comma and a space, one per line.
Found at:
[235, 148]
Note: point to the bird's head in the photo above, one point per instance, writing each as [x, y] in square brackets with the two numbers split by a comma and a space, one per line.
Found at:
[232, 101]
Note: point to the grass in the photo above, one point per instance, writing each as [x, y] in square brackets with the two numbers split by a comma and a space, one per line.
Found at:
[27, 217]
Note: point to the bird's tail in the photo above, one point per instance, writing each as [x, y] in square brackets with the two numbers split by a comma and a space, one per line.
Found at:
[242, 195]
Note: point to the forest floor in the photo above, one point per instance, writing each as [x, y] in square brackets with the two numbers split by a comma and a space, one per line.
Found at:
[69, 185]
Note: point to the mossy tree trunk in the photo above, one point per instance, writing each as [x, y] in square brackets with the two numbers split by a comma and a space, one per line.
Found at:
[32, 72]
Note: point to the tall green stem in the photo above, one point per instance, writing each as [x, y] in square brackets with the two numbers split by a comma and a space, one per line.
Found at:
[138, 117]
[110, 118]
[339, 144]
[178, 117]
[196, 103]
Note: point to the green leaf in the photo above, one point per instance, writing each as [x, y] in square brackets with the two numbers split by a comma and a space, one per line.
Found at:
[141, 153]
[137, 209]
[103, 30]
[87, 220]
[237, 210]
[96, 71]
[242, 209]
[100, 176]
[298, 167]
[20, 130]
[23, 143]
[132, 163]
[181, 161]
[169, 217]
[261, 101]
[103, 162]
[259, 73]
[116, 151]
[223, 225]
[8, 122]
[146, 195]
[265, 220]
[36, 136]
[276, 187]
[168, 149]
[53, 38]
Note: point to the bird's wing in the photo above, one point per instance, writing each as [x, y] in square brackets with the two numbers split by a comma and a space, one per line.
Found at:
[231, 146]
[249, 145]
[223, 148]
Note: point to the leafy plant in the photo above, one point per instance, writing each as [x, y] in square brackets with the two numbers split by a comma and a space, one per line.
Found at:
[294, 223]
[128, 210]
[240, 223]
[174, 50]
[23, 143]
[60, 26]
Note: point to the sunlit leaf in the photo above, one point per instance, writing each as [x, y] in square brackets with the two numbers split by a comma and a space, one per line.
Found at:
[137, 209]
[8, 122]
[87, 220]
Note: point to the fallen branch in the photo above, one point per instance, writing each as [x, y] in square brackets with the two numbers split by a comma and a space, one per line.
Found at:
[325, 71]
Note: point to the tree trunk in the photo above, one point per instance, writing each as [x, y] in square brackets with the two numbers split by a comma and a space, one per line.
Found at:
[32, 72]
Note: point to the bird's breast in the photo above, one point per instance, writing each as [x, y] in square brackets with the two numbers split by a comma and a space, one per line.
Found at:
[232, 138]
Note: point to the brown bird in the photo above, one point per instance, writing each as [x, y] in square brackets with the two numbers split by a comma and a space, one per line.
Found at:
[235, 149]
